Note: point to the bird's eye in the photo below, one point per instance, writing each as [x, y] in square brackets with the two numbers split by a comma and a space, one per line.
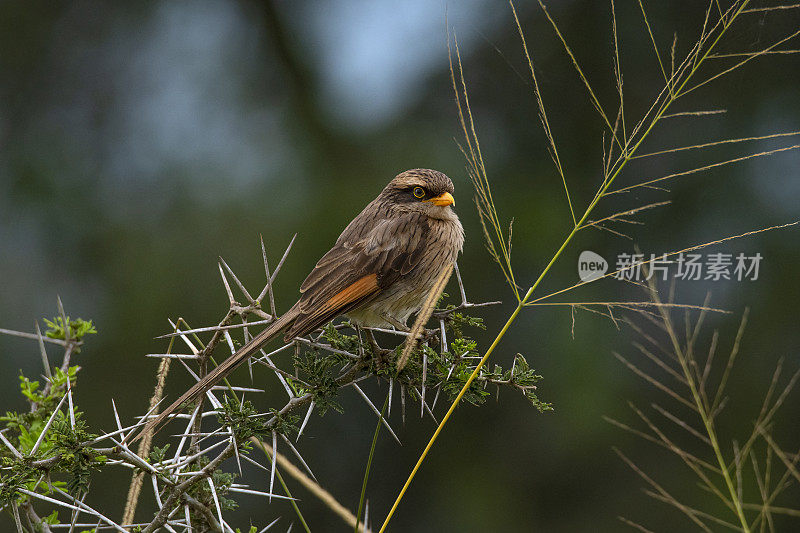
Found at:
[419, 192]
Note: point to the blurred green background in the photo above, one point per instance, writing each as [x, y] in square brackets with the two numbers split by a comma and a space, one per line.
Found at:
[139, 141]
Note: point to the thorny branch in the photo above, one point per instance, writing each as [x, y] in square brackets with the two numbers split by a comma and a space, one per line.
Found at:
[190, 486]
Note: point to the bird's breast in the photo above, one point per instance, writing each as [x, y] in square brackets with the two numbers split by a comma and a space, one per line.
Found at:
[444, 240]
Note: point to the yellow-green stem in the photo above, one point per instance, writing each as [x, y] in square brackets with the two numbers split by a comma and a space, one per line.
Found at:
[475, 372]
[450, 412]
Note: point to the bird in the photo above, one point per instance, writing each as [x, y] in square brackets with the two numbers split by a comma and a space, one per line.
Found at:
[378, 273]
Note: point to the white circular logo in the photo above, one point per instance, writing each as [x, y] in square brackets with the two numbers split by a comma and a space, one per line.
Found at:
[591, 266]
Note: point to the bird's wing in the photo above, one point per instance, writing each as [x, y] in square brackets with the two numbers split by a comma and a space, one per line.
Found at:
[352, 273]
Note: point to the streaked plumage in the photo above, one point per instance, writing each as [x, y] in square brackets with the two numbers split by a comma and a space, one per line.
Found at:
[378, 273]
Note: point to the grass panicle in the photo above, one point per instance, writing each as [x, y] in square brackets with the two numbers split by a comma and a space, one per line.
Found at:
[685, 76]
[694, 383]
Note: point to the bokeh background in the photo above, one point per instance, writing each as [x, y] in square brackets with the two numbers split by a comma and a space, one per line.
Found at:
[139, 141]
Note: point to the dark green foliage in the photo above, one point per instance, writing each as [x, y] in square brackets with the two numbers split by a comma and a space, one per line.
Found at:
[462, 369]
[44, 400]
[158, 454]
[76, 459]
[64, 451]
[62, 441]
[222, 483]
[340, 341]
[285, 423]
[13, 476]
[318, 371]
[242, 420]
[29, 425]
[452, 369]
[521, 376]
[456, 322]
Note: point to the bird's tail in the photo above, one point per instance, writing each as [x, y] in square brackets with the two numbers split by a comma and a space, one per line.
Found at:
[216, 375]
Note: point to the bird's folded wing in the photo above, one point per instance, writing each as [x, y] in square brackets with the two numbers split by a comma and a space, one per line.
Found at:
[352, 273]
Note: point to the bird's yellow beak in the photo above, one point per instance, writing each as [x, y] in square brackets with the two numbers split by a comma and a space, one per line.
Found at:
[443, 199]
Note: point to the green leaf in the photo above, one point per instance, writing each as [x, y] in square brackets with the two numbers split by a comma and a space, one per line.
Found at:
[51, 519]
[158, 454]
[241, 419]
[77, 328]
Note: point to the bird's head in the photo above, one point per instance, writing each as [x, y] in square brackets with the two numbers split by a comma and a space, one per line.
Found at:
[422, 190]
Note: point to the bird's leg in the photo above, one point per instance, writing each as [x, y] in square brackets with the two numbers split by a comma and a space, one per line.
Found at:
[382, 360]
[430, 334]
[399, 326]
[425, 336]
[376, 349]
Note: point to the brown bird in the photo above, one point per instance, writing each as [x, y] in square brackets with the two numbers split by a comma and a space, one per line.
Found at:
[379, 272]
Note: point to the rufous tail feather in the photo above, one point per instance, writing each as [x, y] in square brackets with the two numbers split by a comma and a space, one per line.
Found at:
[216, 375]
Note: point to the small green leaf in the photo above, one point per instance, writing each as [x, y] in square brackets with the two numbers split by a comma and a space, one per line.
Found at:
[77, 328]
[51, 519]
